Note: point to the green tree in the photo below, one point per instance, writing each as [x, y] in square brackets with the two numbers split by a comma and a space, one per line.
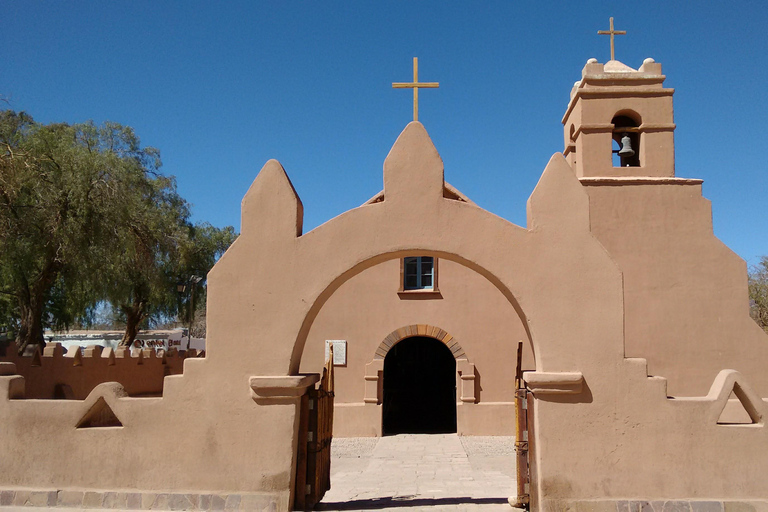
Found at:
[150, 228]
[86, 217]
[59, 188]
[205, 246]
[758, 292]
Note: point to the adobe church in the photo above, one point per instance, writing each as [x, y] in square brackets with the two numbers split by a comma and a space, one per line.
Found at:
[646, 373]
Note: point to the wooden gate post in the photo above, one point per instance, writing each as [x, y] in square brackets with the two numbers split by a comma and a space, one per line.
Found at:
[300, 489]
[522, 431]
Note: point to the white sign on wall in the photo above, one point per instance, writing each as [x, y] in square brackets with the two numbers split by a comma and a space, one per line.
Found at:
[339, 351]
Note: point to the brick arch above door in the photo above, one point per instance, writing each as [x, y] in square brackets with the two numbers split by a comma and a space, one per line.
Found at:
[419, 330]
[374, 369]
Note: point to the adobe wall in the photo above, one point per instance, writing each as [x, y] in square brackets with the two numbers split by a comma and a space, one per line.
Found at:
[685, 293]
[623, 439]
[205, 439]
[73, 374]
[367, 308]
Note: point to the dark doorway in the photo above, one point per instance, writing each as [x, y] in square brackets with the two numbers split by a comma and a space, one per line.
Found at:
[419, 388]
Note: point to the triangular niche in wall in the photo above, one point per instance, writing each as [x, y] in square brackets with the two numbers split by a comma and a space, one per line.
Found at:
[100, 415]
[736, 409]
[36, 358]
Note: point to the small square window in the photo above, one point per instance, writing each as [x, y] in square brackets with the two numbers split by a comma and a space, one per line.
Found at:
[418, 273]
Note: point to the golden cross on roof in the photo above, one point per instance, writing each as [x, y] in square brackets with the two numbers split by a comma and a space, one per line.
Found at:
[612, 33]
[415, 85]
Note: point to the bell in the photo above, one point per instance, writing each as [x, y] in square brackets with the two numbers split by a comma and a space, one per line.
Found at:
[626, 150]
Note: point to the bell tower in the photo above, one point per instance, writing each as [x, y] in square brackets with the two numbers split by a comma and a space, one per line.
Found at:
[619, 122]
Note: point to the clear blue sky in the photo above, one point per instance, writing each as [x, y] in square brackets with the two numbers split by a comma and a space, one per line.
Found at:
[221, 87]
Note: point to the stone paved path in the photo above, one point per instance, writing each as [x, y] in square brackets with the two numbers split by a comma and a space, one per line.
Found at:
[411, 472]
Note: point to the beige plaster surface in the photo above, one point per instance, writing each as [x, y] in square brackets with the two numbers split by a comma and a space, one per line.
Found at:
[685, 293]
[368, 307]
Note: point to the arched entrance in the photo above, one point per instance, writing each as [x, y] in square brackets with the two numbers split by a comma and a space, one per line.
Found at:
[419, 388]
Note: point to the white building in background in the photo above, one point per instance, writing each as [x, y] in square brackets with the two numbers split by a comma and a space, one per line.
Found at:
[159, 339]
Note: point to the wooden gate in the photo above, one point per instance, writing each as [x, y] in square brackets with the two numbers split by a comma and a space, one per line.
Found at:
[313, 463]
[523, 436]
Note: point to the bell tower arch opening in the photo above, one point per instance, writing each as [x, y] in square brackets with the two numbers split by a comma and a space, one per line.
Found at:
[419, 388]
[626, 138]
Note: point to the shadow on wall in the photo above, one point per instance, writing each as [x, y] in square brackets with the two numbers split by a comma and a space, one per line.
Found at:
[585, 397]
[478, 385]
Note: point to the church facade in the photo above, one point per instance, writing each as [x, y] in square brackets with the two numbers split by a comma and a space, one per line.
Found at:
[646, 370]
[655, 227]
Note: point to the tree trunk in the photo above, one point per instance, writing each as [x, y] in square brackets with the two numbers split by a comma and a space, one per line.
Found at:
[31, 325]
[134, 314]
[32, 303]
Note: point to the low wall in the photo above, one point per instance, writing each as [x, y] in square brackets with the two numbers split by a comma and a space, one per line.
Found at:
[72, 374]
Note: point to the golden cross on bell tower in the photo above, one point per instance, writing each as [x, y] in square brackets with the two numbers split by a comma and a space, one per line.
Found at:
[415, 85]
[612, 33]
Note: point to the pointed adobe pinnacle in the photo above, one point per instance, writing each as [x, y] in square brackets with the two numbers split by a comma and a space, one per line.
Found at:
[271, 206]
[413, 169]
[559, 200]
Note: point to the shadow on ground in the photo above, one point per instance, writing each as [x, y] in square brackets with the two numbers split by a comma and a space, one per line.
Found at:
[407, 501]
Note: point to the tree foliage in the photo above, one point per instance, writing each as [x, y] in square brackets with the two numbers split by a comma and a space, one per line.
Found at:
[206, 245]
[140, 271]
[86, 217]
[758, 292]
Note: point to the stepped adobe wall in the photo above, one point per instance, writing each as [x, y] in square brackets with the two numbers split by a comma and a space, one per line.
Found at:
[60, 374]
